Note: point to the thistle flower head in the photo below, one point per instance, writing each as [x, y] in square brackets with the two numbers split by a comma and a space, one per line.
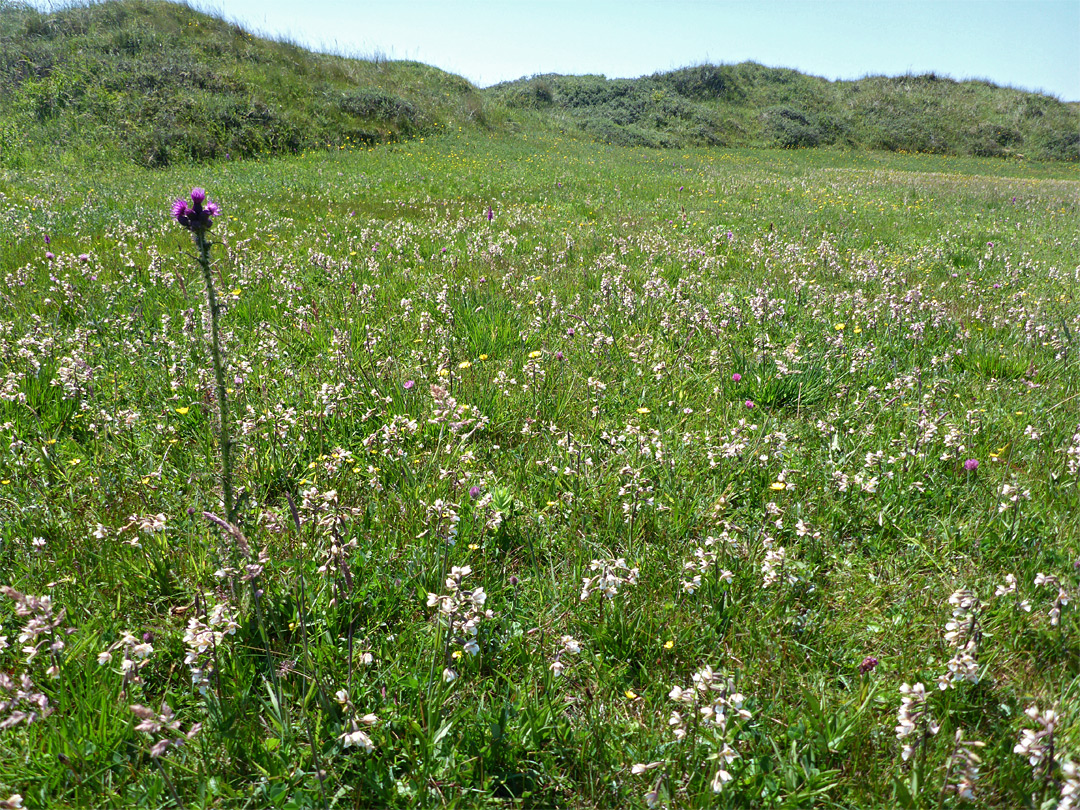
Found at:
[198, 215]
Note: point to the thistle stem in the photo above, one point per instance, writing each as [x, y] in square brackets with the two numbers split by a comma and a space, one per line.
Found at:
[203, 246]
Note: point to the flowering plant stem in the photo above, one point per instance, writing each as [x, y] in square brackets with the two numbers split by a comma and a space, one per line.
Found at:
[203, 246]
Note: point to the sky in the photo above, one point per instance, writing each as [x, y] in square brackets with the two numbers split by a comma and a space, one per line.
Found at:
[1030, 44]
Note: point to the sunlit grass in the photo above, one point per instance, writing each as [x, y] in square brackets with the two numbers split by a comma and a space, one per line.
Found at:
[543, 397]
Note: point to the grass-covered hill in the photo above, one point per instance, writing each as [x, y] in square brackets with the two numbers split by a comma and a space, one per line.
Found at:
[155, 83]
[752, 105]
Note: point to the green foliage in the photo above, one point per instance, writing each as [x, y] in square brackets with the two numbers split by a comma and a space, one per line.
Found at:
[753, 105]
[548, 397]
[889, 316]
[380, 105]
[156, 83]
[159, 83]
[791, 128]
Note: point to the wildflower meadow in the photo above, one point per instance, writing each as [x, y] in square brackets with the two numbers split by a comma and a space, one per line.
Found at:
[521, 470]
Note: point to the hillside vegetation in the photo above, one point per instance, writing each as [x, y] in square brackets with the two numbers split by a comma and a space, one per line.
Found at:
[752, 105]
[154, 83]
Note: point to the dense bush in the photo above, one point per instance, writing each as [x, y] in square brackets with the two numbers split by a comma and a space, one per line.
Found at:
[378, 104]
[791, 128]
[704, 83]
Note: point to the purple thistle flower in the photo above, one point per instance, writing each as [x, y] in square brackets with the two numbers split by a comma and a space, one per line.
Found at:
[50, 255]
[736, 377]
[971, 464]
[196, 216]
[474, 492]
[84, 257]
[749, 403]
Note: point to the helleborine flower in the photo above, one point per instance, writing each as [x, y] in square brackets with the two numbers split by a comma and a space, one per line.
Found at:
[359, 739]
[722, 778]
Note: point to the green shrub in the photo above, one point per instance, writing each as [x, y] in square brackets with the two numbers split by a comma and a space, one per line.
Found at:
[1050, 144]
[371, 102]
[704, 83]
[792, 128]
[995, 140]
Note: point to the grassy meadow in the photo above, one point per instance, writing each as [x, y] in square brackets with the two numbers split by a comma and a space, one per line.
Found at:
[566, 474]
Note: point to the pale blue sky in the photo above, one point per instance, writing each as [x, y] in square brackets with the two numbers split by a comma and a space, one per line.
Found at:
[1033, 44]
